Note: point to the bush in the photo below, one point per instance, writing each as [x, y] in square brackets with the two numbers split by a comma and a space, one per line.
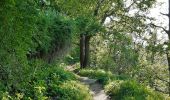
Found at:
[131, 90]
[29, 34]
[48, 81]
[113, 87]
[70, 90]
[73, 57]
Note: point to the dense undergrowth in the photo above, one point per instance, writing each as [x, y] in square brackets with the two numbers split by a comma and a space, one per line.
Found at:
[48, 82]
[31, 37]
[121, 87]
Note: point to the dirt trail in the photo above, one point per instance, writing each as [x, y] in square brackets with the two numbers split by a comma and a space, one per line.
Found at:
[96, 88]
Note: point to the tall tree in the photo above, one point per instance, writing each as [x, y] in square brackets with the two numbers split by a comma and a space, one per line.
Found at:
[95, 10]
[99, 10]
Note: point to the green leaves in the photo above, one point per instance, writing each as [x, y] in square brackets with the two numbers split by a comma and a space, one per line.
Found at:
[27, 32]
[87, 25]
[131, 90]
[16, 27]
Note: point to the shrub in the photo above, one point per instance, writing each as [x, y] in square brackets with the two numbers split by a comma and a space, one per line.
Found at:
[131, 90]
[113, 87]
[70, 90]
[29, 34]
[48, 81]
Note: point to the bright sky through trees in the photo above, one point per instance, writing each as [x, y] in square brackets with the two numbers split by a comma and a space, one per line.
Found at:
[161, 6]
[161, 20]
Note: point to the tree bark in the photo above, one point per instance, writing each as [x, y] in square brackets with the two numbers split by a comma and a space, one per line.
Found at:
[87, 51]
[82, 50]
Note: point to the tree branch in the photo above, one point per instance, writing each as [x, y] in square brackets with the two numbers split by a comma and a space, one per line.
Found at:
[128, 8]
[165, 14]
[167, 31]
[159, 90]
[97, 7]
[107, 14]
[162, 79]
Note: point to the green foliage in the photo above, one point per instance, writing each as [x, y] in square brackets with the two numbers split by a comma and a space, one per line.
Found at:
[131, 90]
[73, 56]
[16, 30]
[113, 87]
[27, 34]
[30, 29]
[71, 90]
[114, 52]
[49, 81]
[54, 32]
[88, 25]
[76, 8]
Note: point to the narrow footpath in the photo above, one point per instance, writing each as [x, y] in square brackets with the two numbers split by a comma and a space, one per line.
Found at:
[96, 89]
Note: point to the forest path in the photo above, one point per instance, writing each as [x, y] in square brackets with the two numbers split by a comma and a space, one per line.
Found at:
[96, 89]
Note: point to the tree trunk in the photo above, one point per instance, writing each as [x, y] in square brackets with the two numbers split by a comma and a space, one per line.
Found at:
[87, 51]
[82, 50]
